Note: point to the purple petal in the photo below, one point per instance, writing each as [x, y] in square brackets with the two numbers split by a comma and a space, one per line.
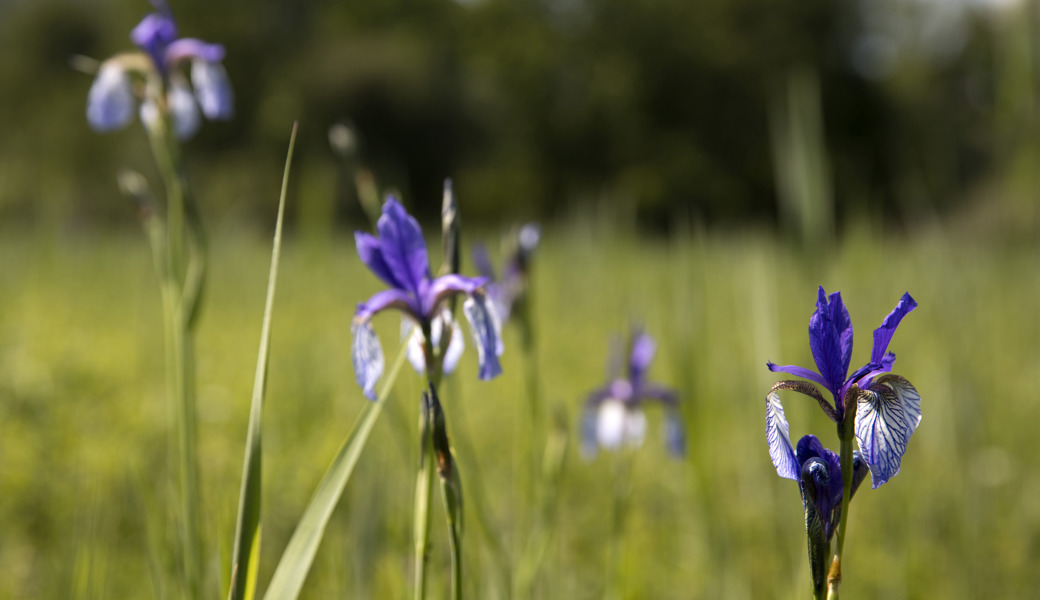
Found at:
[183, 109]
[779, 439]
[370, 251]
[153, 34]
[829, 491]
[798, 372]
[403, 247]
[192, 49]
[367, 356]
[387, 299]
[213, 90]
[446, 286]
[883, 335]
[110, 101]
[639, 358]
[830, 339]
[482, 261]
[486, 335]
[887, 415]
[660, 393]
[675, 433]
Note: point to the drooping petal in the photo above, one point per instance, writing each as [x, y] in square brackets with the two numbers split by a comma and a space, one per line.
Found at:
[798, 372]
[886, 416]
[385, 299]
[779, 439]
[213, 90]
[674, 433]
[482, 261]
[654, 391]
[183, 109]
[618, 424]
[487, 334]
[403, 247]
[153, 34]
[830, 339]
[192, 49]
[639, 358]
[446, 286]
[827, 479]
[415, 354]
[110, 102]
[367, 356]
[371, 253]
[883, 335]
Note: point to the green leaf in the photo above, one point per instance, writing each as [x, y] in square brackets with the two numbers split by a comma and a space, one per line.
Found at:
[299, 553]
[245, 557]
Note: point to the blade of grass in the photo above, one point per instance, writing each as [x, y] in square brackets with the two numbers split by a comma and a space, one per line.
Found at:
[298, 557]
[247, 528]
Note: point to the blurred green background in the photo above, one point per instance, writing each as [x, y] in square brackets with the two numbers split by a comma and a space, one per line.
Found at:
[699, 166]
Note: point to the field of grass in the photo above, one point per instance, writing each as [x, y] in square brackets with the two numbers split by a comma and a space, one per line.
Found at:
[84, 448]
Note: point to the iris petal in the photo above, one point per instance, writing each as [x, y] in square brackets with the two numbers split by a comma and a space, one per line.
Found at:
[830, 339]
[446, 286]
[883, 335]
[183, 109]
[367, 356]
[886, 417]
[486, 335]
[675, 433]
[779, 439]
[212, 89]
[385, 299]
[642, 352]
[371, 253]
[110, 102]
[403, 247]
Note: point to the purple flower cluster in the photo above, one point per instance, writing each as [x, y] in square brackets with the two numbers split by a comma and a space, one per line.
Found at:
[161, 62]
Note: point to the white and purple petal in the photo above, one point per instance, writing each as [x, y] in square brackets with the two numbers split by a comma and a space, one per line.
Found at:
[446, 286]
[110, 101]
[886, 416]
[417, 356]
[779, 439]
[183, 110]
[366, 354]
[192, 49]
[212, 89]
[403, 247]
[487, 334]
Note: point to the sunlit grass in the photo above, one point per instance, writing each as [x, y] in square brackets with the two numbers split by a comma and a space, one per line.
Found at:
[83, 417]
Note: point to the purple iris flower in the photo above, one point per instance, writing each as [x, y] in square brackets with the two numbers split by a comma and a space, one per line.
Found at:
[613, 413]
[512, 287]
[398, 257]
[818, 473]
[110, 101]
[887, 408]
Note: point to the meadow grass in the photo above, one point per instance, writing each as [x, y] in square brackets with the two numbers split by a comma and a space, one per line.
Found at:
[84, 444]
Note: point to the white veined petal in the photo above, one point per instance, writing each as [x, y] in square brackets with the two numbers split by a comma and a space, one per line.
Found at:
[487, 334]
[414, 349]
[367, 356]
[183, 109]
[779, 439]
[611, 426]
[886, 416]
[455, 348]
[110, 101]
[213, 89]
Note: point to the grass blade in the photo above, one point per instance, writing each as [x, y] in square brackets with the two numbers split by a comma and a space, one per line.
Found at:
[299, 553]
[245, 556]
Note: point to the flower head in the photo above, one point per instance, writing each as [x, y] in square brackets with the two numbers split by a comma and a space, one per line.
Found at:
[111, 98]
[511, 289]
[886, 407]
[398, 257]
[613, 413]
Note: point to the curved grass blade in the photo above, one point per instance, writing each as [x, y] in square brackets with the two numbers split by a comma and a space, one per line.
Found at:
[245, 556]
[299, 553]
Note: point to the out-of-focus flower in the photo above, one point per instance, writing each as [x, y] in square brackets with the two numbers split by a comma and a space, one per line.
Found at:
[398, 257]
[511, 289]
[887, 408]
[161, 64]
[613, 413]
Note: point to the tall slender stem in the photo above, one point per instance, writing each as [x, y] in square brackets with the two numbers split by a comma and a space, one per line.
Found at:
[845, 432]
[424, 479]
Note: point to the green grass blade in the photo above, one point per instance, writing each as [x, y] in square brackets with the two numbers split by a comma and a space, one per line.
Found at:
[247, 528]
[299, 553]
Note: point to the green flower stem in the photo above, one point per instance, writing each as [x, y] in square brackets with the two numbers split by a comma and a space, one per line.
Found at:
[183, 270]
[846, 434]
[424, 479]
